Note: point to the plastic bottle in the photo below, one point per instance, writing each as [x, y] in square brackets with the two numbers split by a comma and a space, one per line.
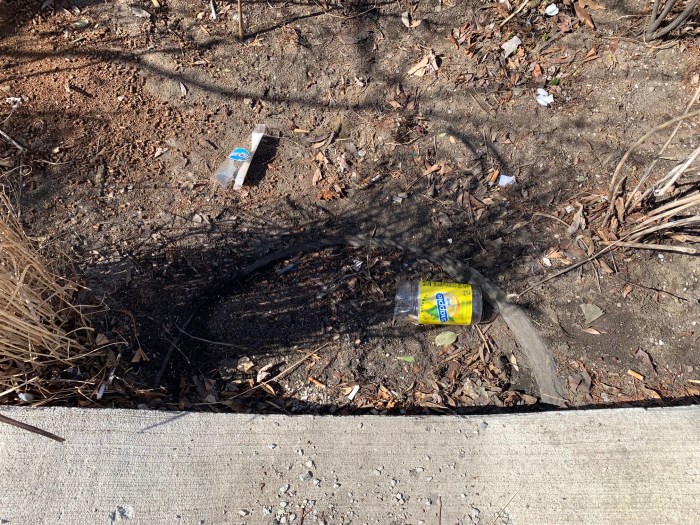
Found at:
[238, 161]
[429, 302]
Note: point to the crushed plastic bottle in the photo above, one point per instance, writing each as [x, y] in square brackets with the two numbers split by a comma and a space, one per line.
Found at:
[429, 302]
[236, 165]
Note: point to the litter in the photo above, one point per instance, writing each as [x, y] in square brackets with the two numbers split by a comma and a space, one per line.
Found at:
[353, 392]
[510, 46]
[504, 181]
[428, 302]
[552, 10]
[235, 167]
[544, 98]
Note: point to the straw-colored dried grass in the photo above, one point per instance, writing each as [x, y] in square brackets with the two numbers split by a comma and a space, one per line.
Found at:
[41, 332]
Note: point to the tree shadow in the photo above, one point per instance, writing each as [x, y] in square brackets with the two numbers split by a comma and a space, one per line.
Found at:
[185, 267]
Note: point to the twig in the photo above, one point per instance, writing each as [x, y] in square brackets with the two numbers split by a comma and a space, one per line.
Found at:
[630, 200]
[643, 232]
[283, 373]
[30, 428]
[676, 173]
[241, 33]
[615, 185]
[439, 510]
[654, 29]
[569, 268]
[350, 17]
[169, 354]
[658, 247]
[540, 214]
[209, 341]
[12, 141]
[498, 514]
[522, 6]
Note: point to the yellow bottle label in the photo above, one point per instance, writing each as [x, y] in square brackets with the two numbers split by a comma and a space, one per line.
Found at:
[445, 303]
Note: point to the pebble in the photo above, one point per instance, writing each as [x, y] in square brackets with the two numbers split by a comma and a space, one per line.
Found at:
[306, 476]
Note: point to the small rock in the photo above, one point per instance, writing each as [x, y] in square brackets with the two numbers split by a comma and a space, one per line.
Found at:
[306, 476]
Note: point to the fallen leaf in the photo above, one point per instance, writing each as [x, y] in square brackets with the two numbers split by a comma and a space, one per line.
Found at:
[645, 358]
[583, 15]
[636, 375]
[327, 195]
[574, 382]
[244, 364]
[263, 373]
[605, 267]
[407, 358]
[159, 152]
[81, 24]
[694, 381]
[267, 388]
[101, 340]
[652, 393]
[318, 176]
[627, 290]
[139, 356]
[537, 71]
[578, 223]
[591, 331]
[445, 338]
[432, 169]
[419, 68]
[528, 399]
[408, 21]
[183, 89]
[514, 362]
[591, 312]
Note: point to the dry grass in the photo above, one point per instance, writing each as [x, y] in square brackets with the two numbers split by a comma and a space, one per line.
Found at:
[660, 210]
[41, 333]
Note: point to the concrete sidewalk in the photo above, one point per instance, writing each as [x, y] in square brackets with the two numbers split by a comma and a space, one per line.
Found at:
[623, 466]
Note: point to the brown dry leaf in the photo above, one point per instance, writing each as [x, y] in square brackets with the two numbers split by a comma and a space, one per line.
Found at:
[645, 358]
[384, 393]
[693, 392]
[605, 267]
[591, 331]
[636, 375]
[395, 104]
[593, 6]
[419, 68]
[267, 388]
[445, 169]
[327, 195]
[583, 15]
[574, 382]
[514, 362]
[652, 393]
[627, 290]
[537, 71]
[318, 176]
[139, 356]
[433, 168]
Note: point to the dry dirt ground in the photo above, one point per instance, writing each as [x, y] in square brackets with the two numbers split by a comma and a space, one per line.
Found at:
[126, 112]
